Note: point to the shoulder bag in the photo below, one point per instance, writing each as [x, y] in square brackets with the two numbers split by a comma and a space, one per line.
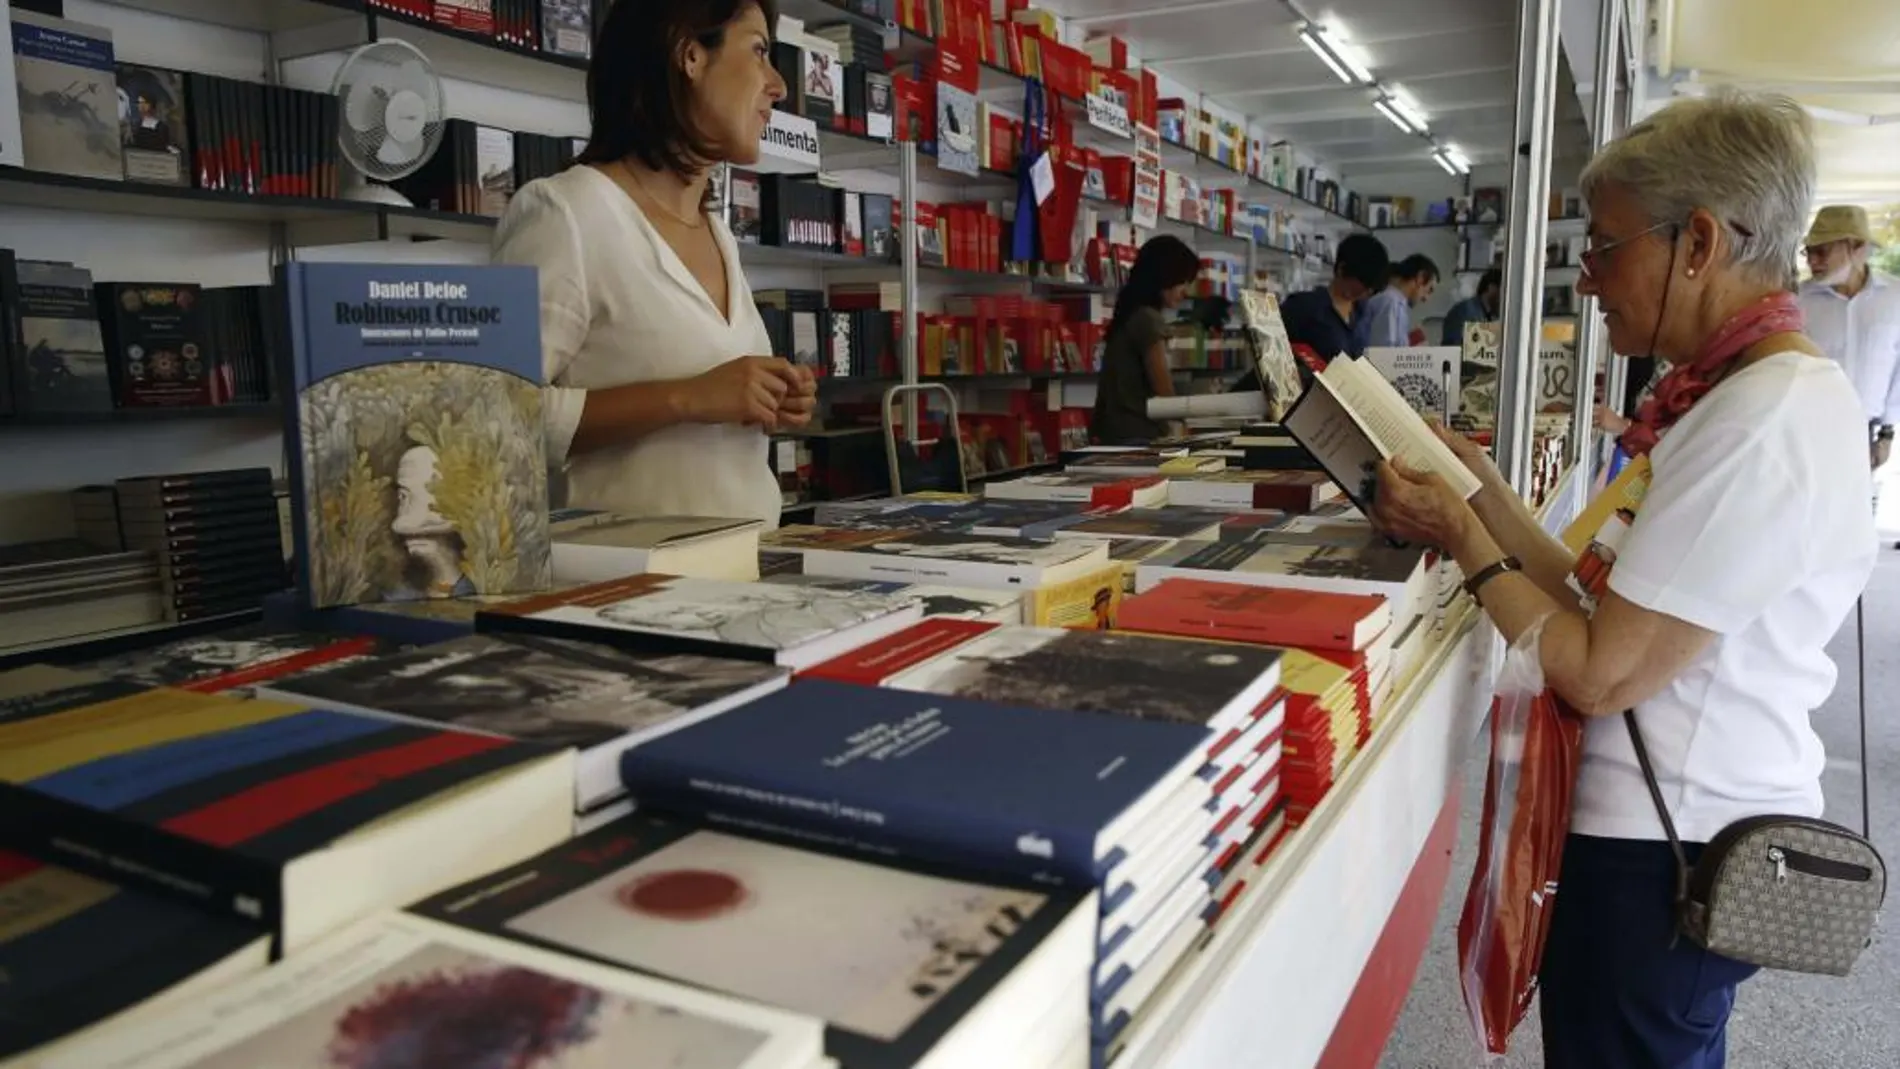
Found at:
[1779, 892]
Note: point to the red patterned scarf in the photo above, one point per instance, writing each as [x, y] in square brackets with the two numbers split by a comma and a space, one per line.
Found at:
[1684, 385]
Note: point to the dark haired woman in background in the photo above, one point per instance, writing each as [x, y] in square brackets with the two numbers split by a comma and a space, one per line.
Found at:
[659, 399]
[1135, 363]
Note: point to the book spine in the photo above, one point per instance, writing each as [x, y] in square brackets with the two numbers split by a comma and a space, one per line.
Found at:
[121, 851]
[891, 828]
[293, 374]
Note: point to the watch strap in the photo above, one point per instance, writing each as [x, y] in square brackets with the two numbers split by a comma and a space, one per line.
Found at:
[1490, 572]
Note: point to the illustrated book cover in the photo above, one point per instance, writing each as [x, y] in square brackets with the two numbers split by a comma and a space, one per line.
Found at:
[787, 625]
[402, 990]
[891, 958]
[68, 96]
[418, 464]
[549, 691]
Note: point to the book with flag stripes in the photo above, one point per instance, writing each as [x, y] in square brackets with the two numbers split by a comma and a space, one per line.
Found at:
[77, 952]
[298, 819]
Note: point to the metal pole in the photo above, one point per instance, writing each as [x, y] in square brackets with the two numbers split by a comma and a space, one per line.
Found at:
[1616, 382]
[907, 257]
[1524, 241]
[1591, 336]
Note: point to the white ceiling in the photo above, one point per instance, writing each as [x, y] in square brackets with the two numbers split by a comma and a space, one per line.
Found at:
[1839, 57]
[1454, 58]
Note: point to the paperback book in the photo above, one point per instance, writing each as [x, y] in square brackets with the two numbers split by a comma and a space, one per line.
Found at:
[1351, 419]
[418, 468]
[403, 990]
[1044, 794]
[902, 963]
[558, 693]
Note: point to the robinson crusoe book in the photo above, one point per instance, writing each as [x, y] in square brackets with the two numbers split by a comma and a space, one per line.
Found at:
[418, 469]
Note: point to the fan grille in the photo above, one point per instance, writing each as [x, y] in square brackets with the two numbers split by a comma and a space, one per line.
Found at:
[391, 109]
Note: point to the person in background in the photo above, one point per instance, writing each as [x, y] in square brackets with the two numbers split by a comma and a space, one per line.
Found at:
[661, 393]
[1745, 555]
[1331, 319]
[1854, 315]
[1389, 312]
[1481, 307]
[1135, 358]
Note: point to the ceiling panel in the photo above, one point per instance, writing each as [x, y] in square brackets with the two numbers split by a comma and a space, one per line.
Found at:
[1455, 58]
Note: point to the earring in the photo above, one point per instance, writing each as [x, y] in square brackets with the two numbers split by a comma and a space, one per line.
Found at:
[1692, 272]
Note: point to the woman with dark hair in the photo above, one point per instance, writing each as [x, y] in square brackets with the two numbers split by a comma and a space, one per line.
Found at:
[1135, 364]
[659, 400]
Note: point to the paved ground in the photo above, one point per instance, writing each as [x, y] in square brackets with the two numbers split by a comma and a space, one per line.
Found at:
[1781, 1021]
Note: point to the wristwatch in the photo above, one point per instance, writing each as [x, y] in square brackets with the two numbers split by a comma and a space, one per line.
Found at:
[1490, 572]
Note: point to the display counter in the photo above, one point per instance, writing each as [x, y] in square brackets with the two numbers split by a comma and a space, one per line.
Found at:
[1312, 964]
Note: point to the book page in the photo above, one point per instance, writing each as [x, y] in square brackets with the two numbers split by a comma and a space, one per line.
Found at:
[1321, 423]
[1398, 431]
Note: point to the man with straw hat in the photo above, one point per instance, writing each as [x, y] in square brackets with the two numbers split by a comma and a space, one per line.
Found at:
[1853, 314]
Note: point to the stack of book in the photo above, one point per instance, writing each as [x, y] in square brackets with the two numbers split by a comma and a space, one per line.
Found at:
[216, 534]
[1158, 896]
[1336, 663]
[67, 588]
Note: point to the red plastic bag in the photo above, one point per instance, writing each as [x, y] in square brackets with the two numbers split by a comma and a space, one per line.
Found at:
[1535, 746]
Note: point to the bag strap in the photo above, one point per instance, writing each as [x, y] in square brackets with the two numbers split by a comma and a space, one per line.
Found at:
[1860, 655]
[1662, 808]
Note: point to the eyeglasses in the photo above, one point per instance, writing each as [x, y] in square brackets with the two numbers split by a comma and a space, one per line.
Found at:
[1592, 259]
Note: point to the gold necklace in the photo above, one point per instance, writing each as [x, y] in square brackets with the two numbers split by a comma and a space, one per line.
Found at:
[690, 224]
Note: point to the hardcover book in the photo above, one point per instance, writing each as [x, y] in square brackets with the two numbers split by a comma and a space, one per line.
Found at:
[778, 624]
[68, 95]
[236, 659]
[77, 951]
[1046, 794]
[419, 469]
[1273, 358]
[894, 959]
[401, 990]
[945, 602]
[156, 341]
[548, 691]
[1426, 377]
[297, 819]
[62, 359]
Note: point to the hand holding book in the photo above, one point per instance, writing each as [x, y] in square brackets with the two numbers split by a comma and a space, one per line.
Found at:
[1418, 506]
[1353, 421]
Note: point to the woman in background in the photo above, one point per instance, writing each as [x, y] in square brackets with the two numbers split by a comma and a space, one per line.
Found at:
[1135, 364]
[660, 399]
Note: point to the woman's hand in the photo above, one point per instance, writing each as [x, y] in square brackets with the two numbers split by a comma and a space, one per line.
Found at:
[796, 407]
[749, 391]
[1474, 456]
[1607, 420]
[1419, 507]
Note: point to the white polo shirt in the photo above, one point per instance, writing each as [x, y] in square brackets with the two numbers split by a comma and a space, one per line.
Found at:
[1756, 527]
[1862, 334]
[618, 306]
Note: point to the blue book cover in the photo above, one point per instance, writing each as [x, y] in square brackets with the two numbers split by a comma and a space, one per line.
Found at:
[1043, 794]
[418, 469]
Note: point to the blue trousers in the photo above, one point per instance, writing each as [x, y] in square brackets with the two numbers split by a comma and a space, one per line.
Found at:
[1617, 989]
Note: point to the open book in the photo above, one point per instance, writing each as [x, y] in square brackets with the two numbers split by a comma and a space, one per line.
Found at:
[1351, 418]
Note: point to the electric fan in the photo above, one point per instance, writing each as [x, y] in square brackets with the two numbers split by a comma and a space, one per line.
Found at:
[391, 105]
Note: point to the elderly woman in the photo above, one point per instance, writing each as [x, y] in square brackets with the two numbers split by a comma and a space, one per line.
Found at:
[1750, 547]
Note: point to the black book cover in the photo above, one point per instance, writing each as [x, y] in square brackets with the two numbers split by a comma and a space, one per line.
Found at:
[77, 950]
[63, 365]
[152, 125]
[851, 118]
[157, 356]
[892, 958]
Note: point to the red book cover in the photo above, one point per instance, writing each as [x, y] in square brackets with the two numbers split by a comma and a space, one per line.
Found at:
[1274, 616]
[873, 664]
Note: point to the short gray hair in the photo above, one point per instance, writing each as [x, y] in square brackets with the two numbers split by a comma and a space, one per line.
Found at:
[1745, 158]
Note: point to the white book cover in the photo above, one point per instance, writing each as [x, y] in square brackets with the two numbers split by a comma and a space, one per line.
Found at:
[1427, 377]
[404, 990]
[949, 558]
[11, 153]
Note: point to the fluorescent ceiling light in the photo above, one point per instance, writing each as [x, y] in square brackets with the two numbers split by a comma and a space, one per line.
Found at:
[1337, 55]
[1451, 159]
[1405, 106]
[1398, 119]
